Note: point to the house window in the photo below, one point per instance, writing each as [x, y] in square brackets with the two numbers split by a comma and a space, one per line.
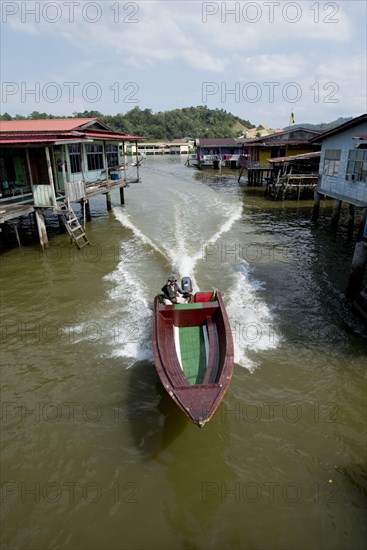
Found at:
[331, 162]
[357, 164]
[112, 156]
[75, 159]
[95, 157]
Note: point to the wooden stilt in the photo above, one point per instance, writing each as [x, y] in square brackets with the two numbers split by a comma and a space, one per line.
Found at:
[61, 224]
[88, 215]
[350, 227]
[358, 266]
[42, 232]
[336, 214]
[16, 233]
[316, 205]
[361, 225]
[122, 196]
[137, 161]
[108, 201]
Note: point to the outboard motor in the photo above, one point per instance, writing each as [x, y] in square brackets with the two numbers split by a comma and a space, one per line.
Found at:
[186, 284]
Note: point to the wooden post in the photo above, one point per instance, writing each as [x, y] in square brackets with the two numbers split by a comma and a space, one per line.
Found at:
[16, 233]
[88, 216]
[122, 196]
[50, 176]
[358, 265]
[316, 205]
[61, 224]
[29, 166]
[106, 163]
[137, 161]
[336, 214]
[350, 227]
[42, 232]
[108, 201]
[63, 161]
[362, 223]
[124, 161]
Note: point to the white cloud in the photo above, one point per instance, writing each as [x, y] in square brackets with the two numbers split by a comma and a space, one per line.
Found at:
[270, 66]
[323, 46]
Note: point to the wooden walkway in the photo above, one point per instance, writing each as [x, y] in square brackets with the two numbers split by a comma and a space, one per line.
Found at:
[12, 210]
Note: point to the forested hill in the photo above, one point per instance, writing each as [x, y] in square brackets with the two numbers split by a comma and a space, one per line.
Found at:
[190, 122]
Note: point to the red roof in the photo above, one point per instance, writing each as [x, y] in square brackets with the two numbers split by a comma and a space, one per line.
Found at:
[54, 129]
[48, 125]
[29, 140]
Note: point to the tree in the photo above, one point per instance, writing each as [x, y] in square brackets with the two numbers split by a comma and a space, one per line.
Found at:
[196, 122]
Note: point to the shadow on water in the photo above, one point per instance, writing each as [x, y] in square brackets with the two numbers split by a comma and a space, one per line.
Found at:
[154, 419]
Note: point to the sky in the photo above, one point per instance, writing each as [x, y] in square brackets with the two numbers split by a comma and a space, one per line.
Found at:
[259, 60]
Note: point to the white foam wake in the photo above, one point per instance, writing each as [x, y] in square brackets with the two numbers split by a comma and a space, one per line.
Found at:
[125, 220]
[250, 319]
[131, 310]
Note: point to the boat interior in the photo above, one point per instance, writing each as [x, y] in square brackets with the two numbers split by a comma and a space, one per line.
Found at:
[192, 340]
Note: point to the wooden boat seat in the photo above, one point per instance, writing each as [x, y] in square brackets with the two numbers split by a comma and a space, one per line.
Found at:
[176, 375]
[213, 359]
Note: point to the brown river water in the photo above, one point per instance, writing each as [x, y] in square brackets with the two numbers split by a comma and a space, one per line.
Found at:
[95, 456]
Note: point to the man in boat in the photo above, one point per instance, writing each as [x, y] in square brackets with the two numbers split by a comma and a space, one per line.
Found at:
[172, 292]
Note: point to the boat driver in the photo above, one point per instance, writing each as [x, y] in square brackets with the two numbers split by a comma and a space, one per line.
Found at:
[172, 292]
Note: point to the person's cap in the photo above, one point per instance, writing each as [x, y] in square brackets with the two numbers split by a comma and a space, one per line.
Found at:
[171, 277]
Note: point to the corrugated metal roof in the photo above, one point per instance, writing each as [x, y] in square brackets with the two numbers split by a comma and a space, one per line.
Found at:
[48, 125]
[217, 142]
[112, 136]
[304, 156]
[31, 131]
[275, 144]
[35, 140]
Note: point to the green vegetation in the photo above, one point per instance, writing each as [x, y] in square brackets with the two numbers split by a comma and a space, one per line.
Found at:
[190, 122]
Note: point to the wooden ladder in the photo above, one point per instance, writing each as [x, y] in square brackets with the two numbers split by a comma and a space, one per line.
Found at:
[73, 227]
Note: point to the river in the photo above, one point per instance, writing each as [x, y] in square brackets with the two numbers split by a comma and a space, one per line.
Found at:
[94, 453]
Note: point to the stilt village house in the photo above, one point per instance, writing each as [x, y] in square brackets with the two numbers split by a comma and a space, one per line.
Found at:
[218, 151]
[343, 163]
[52, 163]
[343, 177]
[256, 154]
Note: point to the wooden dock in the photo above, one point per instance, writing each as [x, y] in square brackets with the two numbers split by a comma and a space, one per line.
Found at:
[16, 209]
[292, 186]
[257, 176]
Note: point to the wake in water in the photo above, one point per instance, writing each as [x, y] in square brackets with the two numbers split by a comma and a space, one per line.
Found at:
[251, 321]
[131, 309]
[173, 221]
[249, 316]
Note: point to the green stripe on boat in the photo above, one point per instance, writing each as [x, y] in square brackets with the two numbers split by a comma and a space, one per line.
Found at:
[193, 355]
[195, 305]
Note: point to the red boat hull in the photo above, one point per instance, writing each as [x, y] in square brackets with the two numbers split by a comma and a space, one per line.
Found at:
[198, 401]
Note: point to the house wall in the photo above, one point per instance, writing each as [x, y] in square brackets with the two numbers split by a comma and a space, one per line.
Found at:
[13, 172]
[219, 150]
[265, 154]
[179, 149]
[39, 166]
[337, 187]
[89, 175]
